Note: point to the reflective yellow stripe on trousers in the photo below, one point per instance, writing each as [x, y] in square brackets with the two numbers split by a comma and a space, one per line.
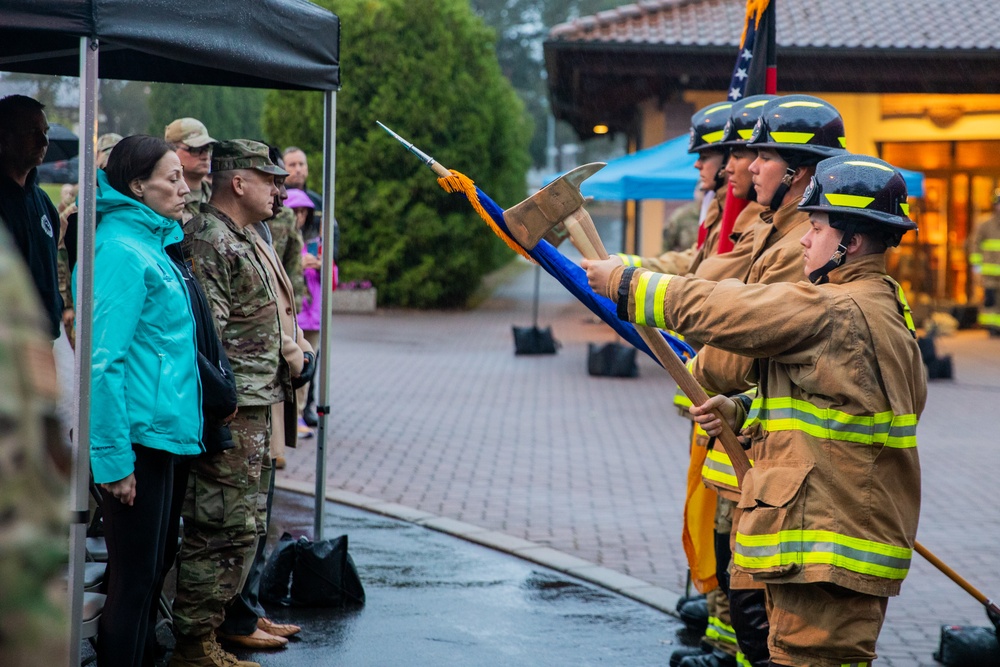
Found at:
[720, 631]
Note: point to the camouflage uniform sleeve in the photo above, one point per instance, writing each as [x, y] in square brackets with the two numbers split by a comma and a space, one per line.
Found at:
[212, 271]
[291, 259]
[287, 244]
[33, 518]
[62, 264]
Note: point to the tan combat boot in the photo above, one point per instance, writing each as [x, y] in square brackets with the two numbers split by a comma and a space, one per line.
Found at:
[204, 652]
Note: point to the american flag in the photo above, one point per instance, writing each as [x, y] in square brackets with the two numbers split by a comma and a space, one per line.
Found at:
[755, 72]
[756, 68]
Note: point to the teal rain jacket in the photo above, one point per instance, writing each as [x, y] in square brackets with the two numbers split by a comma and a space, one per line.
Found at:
[145, 387]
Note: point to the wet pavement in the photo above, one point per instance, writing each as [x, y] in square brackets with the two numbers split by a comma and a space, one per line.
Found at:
[433, 599]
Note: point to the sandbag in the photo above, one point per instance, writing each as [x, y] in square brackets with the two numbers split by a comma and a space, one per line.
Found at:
[311, 574]
[324, 575]
[967, 646]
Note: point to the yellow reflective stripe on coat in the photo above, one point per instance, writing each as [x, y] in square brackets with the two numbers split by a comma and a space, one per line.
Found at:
[629, 260]
[990, 245]
[720, 631]
[907, 313]
[718, 467]
[976, 258]
[789, 414]
[990, 269]
[741, 660]
[787, 547]
[649, 294]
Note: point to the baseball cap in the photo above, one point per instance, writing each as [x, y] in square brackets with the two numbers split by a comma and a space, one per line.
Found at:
[244, 154]
[106, 142]
[298, 199]
[190, 131]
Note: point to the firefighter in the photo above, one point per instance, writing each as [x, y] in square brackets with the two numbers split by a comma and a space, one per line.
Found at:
[788, 136]
[984, 256]
[830, 507]
[719, 646]
[707, 127]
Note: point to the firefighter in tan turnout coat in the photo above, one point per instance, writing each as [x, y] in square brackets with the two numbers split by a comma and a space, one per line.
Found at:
[830, 507]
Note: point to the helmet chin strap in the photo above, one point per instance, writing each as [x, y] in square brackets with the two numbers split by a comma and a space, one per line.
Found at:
[720, 176]
[782, 189]
[819, 276]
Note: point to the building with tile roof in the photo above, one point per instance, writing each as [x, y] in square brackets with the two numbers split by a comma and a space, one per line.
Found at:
[917, 81]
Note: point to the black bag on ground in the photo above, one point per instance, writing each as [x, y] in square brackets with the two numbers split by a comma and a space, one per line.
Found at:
[311, 574]
[277, 573]
[966, 646]
[611, 360]
[533, 340]
[324, 575]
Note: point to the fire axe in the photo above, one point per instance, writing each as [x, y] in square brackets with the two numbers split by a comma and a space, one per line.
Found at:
[560, 202]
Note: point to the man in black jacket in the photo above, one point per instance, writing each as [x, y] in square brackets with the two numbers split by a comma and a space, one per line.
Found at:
[24, 207]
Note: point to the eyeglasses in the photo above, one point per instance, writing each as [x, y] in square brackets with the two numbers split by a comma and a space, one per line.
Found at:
[200, 150]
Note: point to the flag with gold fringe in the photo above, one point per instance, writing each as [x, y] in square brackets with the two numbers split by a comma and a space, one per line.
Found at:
[571, 276]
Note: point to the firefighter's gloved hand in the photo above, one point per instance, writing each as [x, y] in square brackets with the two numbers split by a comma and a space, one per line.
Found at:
[308, 371]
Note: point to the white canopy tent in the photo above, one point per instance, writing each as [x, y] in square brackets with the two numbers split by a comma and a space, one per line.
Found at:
[283, 44]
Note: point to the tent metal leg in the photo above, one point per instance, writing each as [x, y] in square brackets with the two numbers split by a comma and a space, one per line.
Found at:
[329, 179]
[80, 482]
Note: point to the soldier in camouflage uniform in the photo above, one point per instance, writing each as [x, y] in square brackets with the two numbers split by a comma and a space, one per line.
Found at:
[190, 139]
[224, 510]
[33, 519]
[287, 243]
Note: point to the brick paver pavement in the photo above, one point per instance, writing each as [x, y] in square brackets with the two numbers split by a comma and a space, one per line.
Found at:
[432, 410]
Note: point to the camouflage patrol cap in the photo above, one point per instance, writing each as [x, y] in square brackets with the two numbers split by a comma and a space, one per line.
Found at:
[106, 142]
[244, 154]
[190, 131]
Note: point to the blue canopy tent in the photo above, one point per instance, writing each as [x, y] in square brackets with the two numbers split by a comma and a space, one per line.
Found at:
[666, 171]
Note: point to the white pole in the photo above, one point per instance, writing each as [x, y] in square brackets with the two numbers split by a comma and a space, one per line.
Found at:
[323, 409]
[80, 482]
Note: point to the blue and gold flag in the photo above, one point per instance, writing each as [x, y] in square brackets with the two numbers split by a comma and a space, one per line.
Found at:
[571, 276]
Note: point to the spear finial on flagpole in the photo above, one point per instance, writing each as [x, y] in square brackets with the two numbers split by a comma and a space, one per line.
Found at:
[436, 166]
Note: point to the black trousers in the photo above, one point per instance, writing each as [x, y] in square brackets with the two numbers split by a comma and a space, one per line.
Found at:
[135, 537]
[182, 465]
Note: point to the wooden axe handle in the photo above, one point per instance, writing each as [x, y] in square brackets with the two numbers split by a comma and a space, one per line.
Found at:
[584, 235]
[950, 573]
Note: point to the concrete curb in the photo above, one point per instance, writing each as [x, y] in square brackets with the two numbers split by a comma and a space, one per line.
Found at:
[658, 598]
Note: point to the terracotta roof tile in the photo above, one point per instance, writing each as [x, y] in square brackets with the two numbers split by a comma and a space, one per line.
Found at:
[866, 24]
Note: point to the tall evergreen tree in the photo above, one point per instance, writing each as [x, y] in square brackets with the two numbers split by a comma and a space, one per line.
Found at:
[427, 69]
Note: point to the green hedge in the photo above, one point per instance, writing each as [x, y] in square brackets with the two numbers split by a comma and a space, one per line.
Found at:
[427, 69]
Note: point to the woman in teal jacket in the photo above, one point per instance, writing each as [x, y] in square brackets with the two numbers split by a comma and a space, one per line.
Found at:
[145, 390]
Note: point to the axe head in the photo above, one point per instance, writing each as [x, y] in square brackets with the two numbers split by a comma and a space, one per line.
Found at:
[529, 221]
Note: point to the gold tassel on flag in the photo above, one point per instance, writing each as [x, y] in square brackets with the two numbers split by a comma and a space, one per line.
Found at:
[459, 182]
